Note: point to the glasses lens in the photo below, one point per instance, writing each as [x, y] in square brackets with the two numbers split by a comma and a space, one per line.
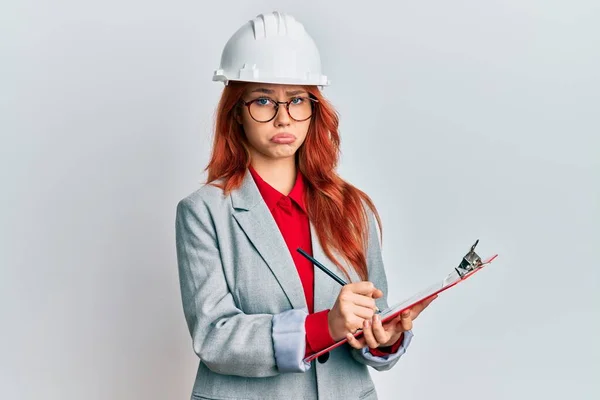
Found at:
[262, 110]
[301, 108]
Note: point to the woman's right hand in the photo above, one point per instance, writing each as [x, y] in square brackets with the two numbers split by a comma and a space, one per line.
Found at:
[354, 304]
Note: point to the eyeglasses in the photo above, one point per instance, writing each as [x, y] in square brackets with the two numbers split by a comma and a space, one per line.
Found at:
[264, 109]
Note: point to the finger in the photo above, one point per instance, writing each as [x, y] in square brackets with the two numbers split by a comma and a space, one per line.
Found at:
[364, 287]
[368, 335]
[363, 301]
[363, 312]
[354, 342]
[405, 321]
[392, 322]
[378, 331]
[377, 293]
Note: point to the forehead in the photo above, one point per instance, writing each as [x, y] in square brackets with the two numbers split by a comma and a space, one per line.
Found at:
[274, 89]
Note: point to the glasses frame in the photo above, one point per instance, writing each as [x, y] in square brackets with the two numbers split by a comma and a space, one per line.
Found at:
[277, 103]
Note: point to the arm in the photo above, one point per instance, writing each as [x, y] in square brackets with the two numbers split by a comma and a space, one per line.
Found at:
[377, 275]
[227, 340]
[318, 336]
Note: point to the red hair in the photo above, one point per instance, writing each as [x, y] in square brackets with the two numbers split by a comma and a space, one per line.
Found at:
[334, 206]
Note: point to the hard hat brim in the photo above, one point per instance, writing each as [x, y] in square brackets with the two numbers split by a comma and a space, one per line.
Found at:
[275, 81]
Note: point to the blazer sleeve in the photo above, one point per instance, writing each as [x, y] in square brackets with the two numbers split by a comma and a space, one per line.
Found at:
[226, 339]
[378, 277]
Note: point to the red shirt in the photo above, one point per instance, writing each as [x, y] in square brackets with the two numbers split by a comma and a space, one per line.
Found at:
[291, 217]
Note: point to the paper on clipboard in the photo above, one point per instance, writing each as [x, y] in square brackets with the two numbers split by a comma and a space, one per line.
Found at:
[470, 264]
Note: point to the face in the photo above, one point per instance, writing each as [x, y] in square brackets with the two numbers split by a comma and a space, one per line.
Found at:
[281, 136]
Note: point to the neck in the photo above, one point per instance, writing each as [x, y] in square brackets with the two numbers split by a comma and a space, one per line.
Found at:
[279, 173]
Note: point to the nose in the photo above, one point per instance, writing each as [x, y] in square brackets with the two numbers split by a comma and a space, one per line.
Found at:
[282, 118]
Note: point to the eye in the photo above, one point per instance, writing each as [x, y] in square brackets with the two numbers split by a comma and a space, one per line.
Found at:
[298, 100]
[263, 101]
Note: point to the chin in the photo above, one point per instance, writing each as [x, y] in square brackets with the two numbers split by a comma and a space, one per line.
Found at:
[283, 154]
[276, 152]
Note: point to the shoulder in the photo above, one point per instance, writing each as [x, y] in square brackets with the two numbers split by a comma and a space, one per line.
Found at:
[208, 196]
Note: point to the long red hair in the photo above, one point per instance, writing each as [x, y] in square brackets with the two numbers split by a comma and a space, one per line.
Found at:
[334, 206]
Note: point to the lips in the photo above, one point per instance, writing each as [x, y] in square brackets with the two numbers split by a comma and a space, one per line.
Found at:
[283, 138]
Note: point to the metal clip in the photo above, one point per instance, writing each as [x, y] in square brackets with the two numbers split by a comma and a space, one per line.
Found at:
[470, 262]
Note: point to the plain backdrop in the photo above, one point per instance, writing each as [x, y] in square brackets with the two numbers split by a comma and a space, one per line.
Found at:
[462, 120]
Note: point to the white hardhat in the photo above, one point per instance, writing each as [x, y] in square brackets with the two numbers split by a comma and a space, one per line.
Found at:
[271, 48]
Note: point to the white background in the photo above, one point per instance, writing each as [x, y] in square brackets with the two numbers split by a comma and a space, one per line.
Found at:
[462, 120]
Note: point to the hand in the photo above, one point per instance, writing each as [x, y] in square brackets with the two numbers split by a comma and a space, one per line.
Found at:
[377, 335]
[354, 304]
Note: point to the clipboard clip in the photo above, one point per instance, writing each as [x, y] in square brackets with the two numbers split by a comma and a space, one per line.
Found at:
[470, 262]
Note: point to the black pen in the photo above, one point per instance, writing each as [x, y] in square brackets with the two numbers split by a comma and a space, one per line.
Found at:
[325, 269]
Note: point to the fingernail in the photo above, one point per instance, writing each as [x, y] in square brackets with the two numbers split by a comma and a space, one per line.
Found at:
[406, 314]
[367, 323]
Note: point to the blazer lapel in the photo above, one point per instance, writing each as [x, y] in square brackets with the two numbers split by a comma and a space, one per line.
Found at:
[257, 222]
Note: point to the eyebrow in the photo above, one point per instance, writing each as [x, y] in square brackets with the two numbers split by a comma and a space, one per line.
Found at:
[269, 91]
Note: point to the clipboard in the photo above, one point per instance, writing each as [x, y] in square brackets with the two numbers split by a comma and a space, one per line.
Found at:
[469, 265]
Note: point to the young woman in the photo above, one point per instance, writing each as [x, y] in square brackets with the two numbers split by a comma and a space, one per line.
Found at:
[254, 305]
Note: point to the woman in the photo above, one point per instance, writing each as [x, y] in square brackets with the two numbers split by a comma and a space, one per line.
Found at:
[255, 307]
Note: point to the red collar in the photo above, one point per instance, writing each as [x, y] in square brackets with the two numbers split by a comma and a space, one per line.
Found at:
[272, 195]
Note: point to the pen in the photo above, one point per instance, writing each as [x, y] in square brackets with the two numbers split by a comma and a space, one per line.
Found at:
[325, 269]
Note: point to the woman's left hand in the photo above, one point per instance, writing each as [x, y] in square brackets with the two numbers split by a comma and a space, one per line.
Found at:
[376, 334]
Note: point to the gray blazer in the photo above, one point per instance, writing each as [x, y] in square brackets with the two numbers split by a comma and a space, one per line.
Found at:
[245, 307]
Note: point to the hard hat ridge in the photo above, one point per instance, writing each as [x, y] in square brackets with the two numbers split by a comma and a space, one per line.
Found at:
[276, 24]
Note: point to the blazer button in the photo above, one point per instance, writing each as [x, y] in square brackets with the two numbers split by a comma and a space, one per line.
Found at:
[323, 358]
